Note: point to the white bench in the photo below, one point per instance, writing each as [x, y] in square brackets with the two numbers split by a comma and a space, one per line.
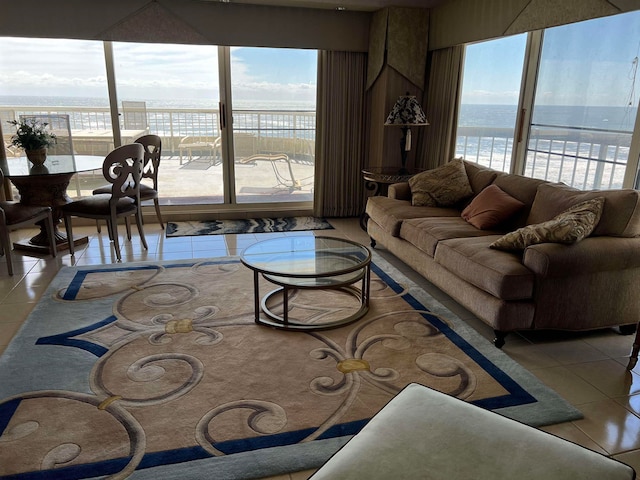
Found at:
[424, 434]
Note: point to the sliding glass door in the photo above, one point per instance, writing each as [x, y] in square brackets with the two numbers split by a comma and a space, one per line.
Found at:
[273, 95]
[261, 151]
[173, 91]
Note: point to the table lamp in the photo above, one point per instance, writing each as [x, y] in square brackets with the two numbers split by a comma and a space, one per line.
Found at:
[406, 113]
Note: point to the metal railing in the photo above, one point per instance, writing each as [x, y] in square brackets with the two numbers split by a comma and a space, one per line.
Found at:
[175, 124]
[584, 158]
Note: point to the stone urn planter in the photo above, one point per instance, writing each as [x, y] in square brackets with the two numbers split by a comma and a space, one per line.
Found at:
[37, 156]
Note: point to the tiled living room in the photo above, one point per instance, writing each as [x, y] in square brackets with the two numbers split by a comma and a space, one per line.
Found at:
[587, 369]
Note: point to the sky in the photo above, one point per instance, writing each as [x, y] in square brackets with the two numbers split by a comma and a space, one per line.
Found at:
[53, 67]
[591, 63]
[587, 63]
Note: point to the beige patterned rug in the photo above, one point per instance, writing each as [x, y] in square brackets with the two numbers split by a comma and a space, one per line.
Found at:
[159, 371]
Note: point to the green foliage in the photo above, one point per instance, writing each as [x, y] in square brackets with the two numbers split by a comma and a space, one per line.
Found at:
[31, 134]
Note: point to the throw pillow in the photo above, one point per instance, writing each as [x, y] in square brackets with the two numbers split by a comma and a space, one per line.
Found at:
[490, 208]
[444, 186]
[570, 226]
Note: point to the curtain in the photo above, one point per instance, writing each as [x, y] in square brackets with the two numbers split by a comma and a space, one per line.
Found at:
[438, 143]
[340, 134]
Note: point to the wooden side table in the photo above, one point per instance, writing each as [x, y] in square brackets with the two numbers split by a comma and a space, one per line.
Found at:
[378, 179]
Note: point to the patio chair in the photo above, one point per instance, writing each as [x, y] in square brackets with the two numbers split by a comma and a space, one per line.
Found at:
[123, 169]
[15, 215]
[202, 145]
[274, 159]
[135, 115]
[152, 152]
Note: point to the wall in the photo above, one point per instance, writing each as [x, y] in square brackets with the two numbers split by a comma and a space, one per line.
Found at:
[187, 21]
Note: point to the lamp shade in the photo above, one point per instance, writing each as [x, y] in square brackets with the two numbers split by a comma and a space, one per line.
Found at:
[406, 112]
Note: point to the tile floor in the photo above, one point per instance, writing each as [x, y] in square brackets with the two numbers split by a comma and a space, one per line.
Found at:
[587, 369]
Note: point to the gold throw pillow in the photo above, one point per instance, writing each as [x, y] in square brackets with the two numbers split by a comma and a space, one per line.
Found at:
[568, 227]
[444, 186]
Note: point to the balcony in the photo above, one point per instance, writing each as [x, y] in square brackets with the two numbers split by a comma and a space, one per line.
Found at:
[274, 161]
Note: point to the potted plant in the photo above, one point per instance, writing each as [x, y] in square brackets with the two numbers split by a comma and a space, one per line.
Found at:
[34, 138]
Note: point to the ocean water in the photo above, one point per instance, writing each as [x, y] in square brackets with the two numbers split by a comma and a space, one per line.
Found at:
[619, 119]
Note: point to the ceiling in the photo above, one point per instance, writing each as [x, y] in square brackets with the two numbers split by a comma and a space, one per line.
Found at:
[356, 5]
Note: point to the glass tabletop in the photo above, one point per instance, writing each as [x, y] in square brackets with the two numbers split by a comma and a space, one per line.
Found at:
[306, 257]
[55, 164]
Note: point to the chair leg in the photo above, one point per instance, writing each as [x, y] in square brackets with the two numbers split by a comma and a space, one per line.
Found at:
[127, 225]
[6, 247]
[156, 203]
[114, 232]
[141, 229]
[98, 226]
[52, 238]
[69, 229]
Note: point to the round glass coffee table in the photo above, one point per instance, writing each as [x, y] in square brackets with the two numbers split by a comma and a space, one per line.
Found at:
[308, 262]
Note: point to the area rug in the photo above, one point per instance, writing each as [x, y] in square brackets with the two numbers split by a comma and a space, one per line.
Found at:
[251, 225]
[159, 371]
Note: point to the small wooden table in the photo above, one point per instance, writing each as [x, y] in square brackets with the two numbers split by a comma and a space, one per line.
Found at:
[378, 179]
[47, 186]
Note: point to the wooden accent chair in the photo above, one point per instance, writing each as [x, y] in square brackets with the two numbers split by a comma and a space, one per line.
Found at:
[152, 152]
[123, 169]
[16, 215]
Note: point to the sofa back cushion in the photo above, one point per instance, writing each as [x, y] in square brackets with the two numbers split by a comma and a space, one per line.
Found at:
[620, 215]
[479, 176]
[522, 188]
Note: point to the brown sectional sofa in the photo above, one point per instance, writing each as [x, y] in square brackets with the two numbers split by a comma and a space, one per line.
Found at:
[588, 285]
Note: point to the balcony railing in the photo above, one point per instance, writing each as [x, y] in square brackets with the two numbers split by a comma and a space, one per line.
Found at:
[584, 158]
[190, 135]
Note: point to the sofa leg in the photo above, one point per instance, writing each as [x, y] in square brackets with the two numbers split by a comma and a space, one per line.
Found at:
[499, 340]
[373, 243]
[627, 329]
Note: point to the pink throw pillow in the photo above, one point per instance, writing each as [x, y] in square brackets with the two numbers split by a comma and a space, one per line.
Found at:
[491, 207]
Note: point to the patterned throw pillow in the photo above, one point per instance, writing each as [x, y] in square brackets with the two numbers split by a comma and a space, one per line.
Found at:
[490, 208]
[570, 226]
[444, 186]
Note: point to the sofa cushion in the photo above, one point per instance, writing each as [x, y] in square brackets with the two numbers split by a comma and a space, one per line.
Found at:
[570, 226]
[491, 207]
[389, 212]
[499, 273]
[444, 186]
[620, 215]
[522, 188]
[425, 233]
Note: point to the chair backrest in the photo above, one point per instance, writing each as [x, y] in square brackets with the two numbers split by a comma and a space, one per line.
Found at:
[123, 168]
[60, 125]
[134, 115]
[152, 152]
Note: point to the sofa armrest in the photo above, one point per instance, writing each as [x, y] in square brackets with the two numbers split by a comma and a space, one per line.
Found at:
[399, 191]
[593, 254]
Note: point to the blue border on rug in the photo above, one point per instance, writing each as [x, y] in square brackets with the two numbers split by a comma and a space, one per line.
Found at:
[516, 396]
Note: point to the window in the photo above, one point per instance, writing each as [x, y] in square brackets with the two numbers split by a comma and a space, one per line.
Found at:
[578, 103]
[489, 101]
[585, 103]
[265, 154]
[274, 104]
